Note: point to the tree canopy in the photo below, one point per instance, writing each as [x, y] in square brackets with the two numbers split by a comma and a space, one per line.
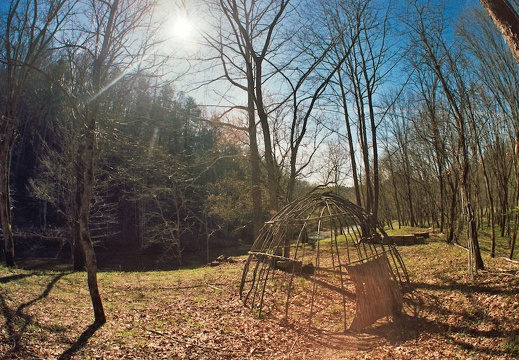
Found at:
[119, 134]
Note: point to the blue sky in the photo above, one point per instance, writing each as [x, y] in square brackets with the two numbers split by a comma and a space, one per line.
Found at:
[457, 7]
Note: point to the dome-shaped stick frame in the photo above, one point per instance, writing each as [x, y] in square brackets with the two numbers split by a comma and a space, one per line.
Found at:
[304, 257]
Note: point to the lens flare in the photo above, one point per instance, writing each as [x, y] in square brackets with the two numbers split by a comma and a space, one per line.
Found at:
[182, 27]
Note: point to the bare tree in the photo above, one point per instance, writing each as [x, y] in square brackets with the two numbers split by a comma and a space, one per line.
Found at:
[28, 34]
[334, 172]
[498, 71]
[263, 46]
[250, 33]
[303, 106]
[115, 48]
[364, 42]
[446, 65]
[244, 38]
[432, 130]
[401, 136]
[85, 160]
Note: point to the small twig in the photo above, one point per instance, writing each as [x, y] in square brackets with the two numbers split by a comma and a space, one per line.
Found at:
[156, 332]
[510, 260]
[292, 347]
[214, 287]
[461, 246]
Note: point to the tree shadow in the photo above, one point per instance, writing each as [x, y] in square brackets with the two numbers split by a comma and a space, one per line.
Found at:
[81, 341]
[16, 321]
[507, 289]
[6, 279]
[429, 313]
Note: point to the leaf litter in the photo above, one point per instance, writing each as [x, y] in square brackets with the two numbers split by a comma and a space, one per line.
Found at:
[198, 314]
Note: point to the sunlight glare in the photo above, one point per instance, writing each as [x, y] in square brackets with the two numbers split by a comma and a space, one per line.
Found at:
[182, 27]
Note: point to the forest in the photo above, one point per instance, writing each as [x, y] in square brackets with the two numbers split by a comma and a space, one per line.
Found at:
[409, 109]
[145, 135]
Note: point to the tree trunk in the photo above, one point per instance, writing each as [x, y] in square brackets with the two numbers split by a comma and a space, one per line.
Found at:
[395, 190]
[91, 265]
[489, 192]
[270, 161]
[364, 147]
[507, 21]
[438, 150]
[514, 237]
[407, 175]
[441, 208]
[78, 255]
[85, 193]
[493, 225]
[292, 177]
[452, 211]
[7, 134]
[475, 259]
[255, 161]
[351, 145]
[86, 153]
[374, 145]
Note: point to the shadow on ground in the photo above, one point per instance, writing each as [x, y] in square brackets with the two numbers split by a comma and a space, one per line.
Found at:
[81, 341]
[17, 320]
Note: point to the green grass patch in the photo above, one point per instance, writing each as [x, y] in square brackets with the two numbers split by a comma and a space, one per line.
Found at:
[502, 247]
[511, 345]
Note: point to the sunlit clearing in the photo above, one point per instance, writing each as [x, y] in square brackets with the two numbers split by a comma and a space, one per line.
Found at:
[182, 27]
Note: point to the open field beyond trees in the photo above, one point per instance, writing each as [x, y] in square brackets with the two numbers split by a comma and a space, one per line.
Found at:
[197, 314]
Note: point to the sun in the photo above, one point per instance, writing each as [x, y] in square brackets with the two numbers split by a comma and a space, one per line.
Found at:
[182, 27]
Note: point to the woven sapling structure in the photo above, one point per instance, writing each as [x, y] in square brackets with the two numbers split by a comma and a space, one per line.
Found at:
[324, 259]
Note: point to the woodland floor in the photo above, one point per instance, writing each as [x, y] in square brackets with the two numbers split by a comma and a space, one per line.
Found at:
[197, 314]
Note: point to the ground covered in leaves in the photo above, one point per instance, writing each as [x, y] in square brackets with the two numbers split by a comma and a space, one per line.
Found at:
[197, 314]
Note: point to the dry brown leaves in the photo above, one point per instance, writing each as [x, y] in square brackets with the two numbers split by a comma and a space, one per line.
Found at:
[198, 314]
